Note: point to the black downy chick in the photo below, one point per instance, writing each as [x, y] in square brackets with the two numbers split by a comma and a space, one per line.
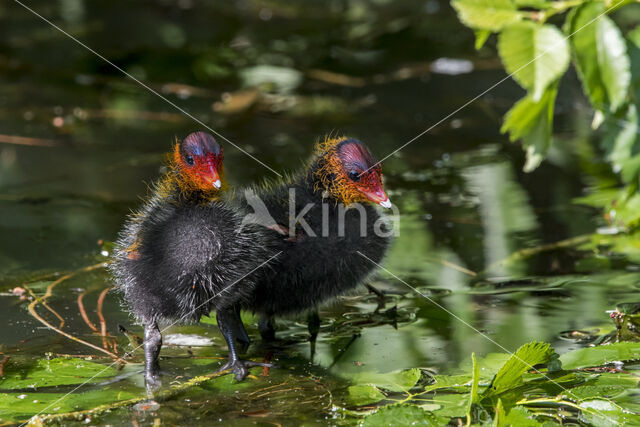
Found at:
[332, 231]
[186, 253]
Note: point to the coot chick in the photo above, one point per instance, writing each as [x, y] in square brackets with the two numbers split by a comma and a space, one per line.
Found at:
[186, 253]
[329, 220]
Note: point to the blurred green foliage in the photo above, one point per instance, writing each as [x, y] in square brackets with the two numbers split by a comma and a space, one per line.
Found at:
[537, 40]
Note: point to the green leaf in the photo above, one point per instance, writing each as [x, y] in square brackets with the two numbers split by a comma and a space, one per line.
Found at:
[532, 122]
[449, 381]
[536, 55]
[601, 355]
[601, 56]
[517, 416]
[619, 141]
[487, 14]
[402, 415]
[397, 381]
[510, 375]
[453, 405]
[602, 412]
[21, 406]
[47, 373]
[364, 394]
[481, 38]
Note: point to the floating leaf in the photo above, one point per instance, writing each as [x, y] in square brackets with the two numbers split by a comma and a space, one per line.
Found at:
[393, 381]
[536, 55]
[602, 412]
[601, 355]
[601, 56]
[47, 373]
[449, 381]
[364, 394]
[21, 406]
[510, 375]
[487, 14]
[402, 415]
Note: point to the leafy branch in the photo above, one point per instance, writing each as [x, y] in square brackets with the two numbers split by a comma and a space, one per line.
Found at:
[537, 46]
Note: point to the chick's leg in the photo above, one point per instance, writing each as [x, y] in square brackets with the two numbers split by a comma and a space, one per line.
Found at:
[152, 345]
[227, 324]
[239, 331]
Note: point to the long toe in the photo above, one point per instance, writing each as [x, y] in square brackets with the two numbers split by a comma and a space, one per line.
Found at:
[240, 368]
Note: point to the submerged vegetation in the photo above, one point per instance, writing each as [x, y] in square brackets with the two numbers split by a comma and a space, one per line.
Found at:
[507, 299]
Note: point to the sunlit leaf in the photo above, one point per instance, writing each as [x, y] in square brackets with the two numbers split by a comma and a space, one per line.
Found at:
[516, 416]
[601, 355]
[532, 122]
[449, 381]
[481, 38]
[487, 14]
[536, 55]
[602, 412]
[510, 375]
[601, 56]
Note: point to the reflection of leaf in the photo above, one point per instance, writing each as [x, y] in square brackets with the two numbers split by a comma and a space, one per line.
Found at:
[402, 415]
[486, 14]
[54, 372]
[364, 394]
[397, 381]
[536, 55]
[510, 375]
[601, 355]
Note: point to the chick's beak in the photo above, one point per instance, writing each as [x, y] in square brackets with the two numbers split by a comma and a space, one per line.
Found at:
[212, 177]
[378, 196]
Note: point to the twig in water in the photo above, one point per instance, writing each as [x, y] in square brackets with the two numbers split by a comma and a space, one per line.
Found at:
[23, 140]
[103, 323]
[55, 313]
[49, 292]
[3, 362]
[83, 313]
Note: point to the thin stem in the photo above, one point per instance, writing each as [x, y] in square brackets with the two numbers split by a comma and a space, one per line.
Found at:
[83, 313]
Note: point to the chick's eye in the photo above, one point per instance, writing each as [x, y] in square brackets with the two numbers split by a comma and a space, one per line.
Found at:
[189, 160]
[354, 176]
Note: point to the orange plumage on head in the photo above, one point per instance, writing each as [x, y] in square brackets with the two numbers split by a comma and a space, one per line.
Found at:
[331, 175]
[186, 179]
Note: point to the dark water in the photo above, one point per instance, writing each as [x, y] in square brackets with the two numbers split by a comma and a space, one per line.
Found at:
[99, 137]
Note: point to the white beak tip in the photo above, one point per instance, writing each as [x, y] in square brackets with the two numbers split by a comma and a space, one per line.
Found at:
[386, 203]
[217, 183]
